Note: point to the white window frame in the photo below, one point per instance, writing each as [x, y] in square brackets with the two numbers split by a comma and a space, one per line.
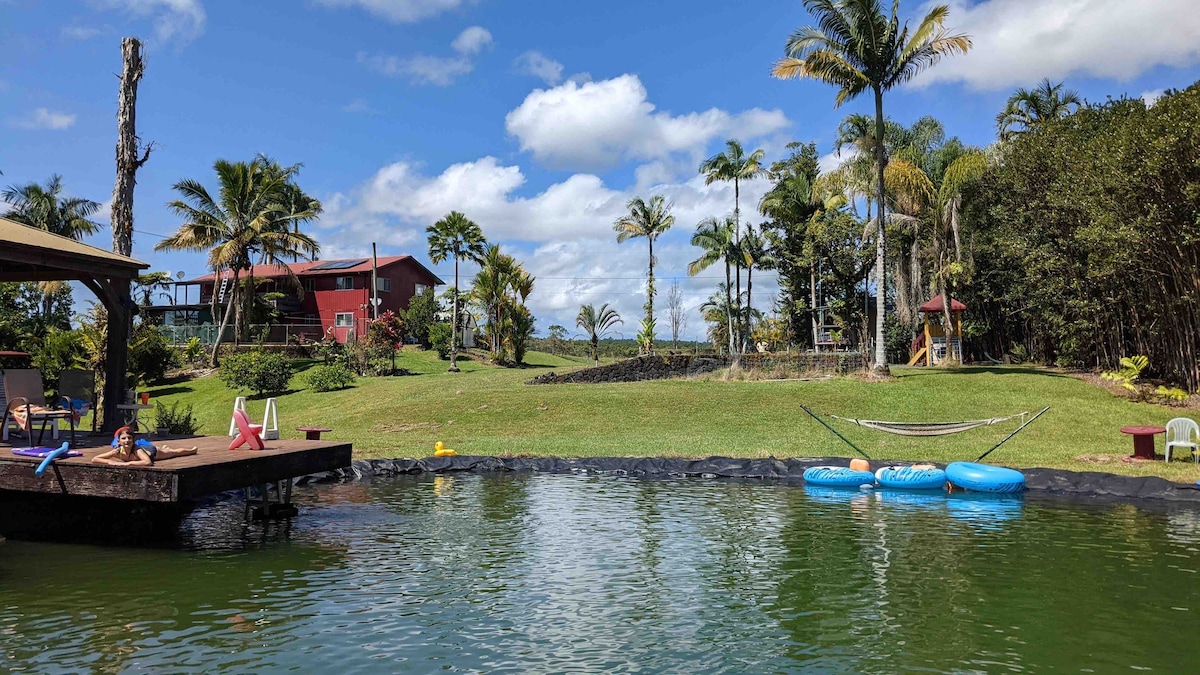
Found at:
[338, 320]
[339, 283]
[420, 288]
[383, 285]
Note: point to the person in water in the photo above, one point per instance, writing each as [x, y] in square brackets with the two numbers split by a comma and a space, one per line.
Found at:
[129, 452]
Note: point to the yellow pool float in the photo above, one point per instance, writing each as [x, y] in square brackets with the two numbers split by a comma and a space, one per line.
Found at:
[440, 450]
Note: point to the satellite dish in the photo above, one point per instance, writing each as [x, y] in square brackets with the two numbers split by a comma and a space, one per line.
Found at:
[180, 275]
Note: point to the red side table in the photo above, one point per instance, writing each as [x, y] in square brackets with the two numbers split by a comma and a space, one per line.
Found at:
[1143, 440]
[314, 433]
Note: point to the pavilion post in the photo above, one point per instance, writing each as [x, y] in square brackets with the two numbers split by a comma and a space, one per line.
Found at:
[115, 297]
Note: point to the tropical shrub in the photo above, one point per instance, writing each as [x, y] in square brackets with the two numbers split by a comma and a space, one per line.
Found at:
[176, 419]
[329, 377]
[59, 350]
[257, 370]
[439, 338]
[193, 351]
[150, 355]
[385, 337]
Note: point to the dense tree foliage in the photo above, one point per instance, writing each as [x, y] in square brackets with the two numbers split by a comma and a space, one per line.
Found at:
[1086, 238]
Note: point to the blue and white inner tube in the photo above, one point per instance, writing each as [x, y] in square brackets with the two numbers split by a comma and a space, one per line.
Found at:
[985, 478]
[911, 478]
[838, 476]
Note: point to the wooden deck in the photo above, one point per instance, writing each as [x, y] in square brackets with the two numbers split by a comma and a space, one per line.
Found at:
[213, 469]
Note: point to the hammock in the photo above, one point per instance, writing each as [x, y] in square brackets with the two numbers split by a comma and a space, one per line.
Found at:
[927, 429]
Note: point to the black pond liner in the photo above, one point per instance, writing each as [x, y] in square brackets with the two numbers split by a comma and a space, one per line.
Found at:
[787, 471]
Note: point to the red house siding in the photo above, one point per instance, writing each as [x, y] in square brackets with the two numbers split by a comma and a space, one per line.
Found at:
[323, 300]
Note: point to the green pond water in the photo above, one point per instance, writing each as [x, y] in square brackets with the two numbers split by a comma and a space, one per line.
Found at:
[603, 574]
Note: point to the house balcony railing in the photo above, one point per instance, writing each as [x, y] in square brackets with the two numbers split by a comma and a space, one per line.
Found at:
[270, 334]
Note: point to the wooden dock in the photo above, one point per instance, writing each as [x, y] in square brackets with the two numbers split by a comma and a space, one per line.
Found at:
[213, 469]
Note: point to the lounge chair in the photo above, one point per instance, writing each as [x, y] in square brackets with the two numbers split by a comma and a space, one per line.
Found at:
[77, 393]
[27, 405]
[1183, 433]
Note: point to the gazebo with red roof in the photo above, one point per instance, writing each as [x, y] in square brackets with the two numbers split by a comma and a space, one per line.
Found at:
[936, 334]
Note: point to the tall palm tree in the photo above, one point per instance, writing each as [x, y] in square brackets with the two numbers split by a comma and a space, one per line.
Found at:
[736, 166]
[1026, 110]
[715, 237]
[455, 236]
[649, 220]
[857, 47]
[597, 322]
[248, 221]
[46, 207]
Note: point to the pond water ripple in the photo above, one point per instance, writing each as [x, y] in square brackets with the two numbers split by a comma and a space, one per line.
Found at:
[600, 574]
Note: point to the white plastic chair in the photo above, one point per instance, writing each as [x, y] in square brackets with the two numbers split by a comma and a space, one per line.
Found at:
[1184, 433]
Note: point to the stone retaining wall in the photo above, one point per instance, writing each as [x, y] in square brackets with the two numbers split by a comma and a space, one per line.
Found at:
[688, 365]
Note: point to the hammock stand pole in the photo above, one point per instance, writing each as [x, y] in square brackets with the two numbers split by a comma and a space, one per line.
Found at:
[835, 432]
[1018, 430]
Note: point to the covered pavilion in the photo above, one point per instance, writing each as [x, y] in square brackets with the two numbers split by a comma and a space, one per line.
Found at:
[32, 254]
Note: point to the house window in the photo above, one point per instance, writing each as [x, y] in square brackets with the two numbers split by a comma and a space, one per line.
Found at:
[421, 288]
[383, 285]
[345, 284]
[344, 320]
[310, 285]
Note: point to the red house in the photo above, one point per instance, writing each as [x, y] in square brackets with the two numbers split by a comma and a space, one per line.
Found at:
[333, 294]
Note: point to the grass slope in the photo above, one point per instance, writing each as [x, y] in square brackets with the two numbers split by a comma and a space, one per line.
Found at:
[487, 410]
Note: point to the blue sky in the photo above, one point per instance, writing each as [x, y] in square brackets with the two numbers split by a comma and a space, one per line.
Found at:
[538, 118]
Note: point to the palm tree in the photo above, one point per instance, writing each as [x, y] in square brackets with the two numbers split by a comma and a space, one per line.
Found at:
[755, 254]
[649, 220]
[458, 237]
[248, 221]
[716, 313]
[1031, 109]
[597, 322]
[501, 284]
[45, 207]
[715, 237]
[855, 46]
[798, 205]
[734, 165]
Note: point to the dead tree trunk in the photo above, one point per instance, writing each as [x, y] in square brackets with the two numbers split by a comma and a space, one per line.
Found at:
[128, 146]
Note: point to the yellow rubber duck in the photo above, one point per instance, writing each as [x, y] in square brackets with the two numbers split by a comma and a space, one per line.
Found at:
[440, 450]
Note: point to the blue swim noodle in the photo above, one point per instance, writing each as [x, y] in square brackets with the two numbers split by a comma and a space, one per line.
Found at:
[62, 450]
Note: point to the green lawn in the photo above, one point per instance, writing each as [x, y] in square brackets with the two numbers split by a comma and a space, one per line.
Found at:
[486, 410]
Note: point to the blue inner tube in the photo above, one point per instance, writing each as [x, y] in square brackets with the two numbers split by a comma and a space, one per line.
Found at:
[985, 478]
[908, 478]
[838, 476]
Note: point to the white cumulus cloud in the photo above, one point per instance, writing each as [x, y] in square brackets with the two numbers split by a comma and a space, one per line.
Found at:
[563, 234]
[44, 118]
[594, 125]
[539, 65]
[177, 21]
[1018, 42]
[398, 11]
[440, 71]
[472, 40]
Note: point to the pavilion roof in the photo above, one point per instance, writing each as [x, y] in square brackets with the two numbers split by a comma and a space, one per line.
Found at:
[937, 304]
[33, 254]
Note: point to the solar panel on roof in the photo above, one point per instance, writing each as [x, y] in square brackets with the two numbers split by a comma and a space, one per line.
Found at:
[338, 264]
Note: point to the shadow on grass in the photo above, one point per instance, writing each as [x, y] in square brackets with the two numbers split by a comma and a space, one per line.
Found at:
[170, 391]
[272, 394]
[994, 370]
